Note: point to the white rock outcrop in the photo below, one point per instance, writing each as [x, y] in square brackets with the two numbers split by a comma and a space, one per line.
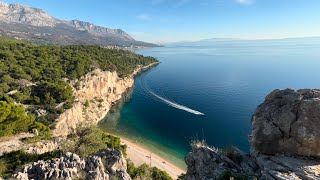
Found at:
[96, 93]
[104, 165]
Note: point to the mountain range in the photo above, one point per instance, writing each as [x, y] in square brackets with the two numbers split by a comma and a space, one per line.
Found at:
[33, 24]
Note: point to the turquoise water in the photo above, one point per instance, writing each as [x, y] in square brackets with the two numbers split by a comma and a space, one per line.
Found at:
[224, 80]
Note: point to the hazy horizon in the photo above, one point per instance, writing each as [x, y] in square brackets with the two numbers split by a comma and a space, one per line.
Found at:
[164, 21]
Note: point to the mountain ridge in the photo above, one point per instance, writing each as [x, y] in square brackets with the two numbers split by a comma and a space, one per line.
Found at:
[25, 22]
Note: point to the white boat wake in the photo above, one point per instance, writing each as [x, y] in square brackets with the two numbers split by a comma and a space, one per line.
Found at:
[174, 104]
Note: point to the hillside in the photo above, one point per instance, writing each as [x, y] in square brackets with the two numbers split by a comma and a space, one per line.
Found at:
[23, 22]
[38, 78]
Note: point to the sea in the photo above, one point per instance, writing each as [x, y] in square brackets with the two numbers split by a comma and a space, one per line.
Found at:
[223, 80]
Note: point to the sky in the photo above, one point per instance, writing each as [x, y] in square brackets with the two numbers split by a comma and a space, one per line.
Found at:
[161, 21]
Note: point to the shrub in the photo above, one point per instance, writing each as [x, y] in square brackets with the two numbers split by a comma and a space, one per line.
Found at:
[9, 162]
[43, 130]
[198, 143]
[88, 140]
[13, 119]
[87, 104]
[3, 167]
[182, 177]
[159, 174]
[68, 105]
[144, 171]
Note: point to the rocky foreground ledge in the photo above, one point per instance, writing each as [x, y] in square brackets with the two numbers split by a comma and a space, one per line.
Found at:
[285, 143]
[105, 164]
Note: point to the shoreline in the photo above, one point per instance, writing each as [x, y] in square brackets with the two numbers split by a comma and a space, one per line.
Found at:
[140, 154]
[104, 85]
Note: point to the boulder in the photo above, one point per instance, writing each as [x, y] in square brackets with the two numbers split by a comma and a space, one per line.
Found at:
[209, 163]
[205, 163]
[288, 122]
[115, 163]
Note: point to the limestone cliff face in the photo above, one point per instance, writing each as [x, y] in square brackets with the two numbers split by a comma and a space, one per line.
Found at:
[16, 13]
[100, 89]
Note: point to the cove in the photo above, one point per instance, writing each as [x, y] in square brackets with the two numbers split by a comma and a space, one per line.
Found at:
[225, 81]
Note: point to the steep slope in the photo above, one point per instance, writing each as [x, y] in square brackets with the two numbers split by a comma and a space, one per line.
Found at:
[16, 13]
[98, 30]
[23, 22]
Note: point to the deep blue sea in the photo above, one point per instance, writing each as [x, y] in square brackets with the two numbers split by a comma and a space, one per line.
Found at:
[225, 80]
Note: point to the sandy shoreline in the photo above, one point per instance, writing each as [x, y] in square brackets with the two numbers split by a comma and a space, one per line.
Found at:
[139, 155]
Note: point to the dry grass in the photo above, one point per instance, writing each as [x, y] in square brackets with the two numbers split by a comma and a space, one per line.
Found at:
[5, 138]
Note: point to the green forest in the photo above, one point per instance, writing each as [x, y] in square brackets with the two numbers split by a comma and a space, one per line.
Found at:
[36, 77]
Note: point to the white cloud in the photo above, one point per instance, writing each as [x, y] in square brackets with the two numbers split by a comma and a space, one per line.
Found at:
[246, 2]
[144, 17]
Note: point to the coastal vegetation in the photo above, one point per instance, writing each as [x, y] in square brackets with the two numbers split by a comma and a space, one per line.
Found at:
[86, 141]
[144, 171]
[36, 78]
[13, 119]
[9, 162]
[35, 88]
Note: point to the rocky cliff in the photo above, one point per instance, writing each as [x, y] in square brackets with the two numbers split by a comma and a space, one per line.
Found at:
[98, 30]
[95, 93]
[104, 165]
[287, 122]
[285, 143]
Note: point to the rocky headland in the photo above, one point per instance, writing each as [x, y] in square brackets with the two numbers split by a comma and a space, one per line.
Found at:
[285, 143]
[95, 93]
[101, 89]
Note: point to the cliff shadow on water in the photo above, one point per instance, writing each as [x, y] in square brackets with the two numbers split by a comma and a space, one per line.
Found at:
[113, 116]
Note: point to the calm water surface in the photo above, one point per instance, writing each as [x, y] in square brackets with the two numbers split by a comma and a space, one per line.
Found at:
[225, 80]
